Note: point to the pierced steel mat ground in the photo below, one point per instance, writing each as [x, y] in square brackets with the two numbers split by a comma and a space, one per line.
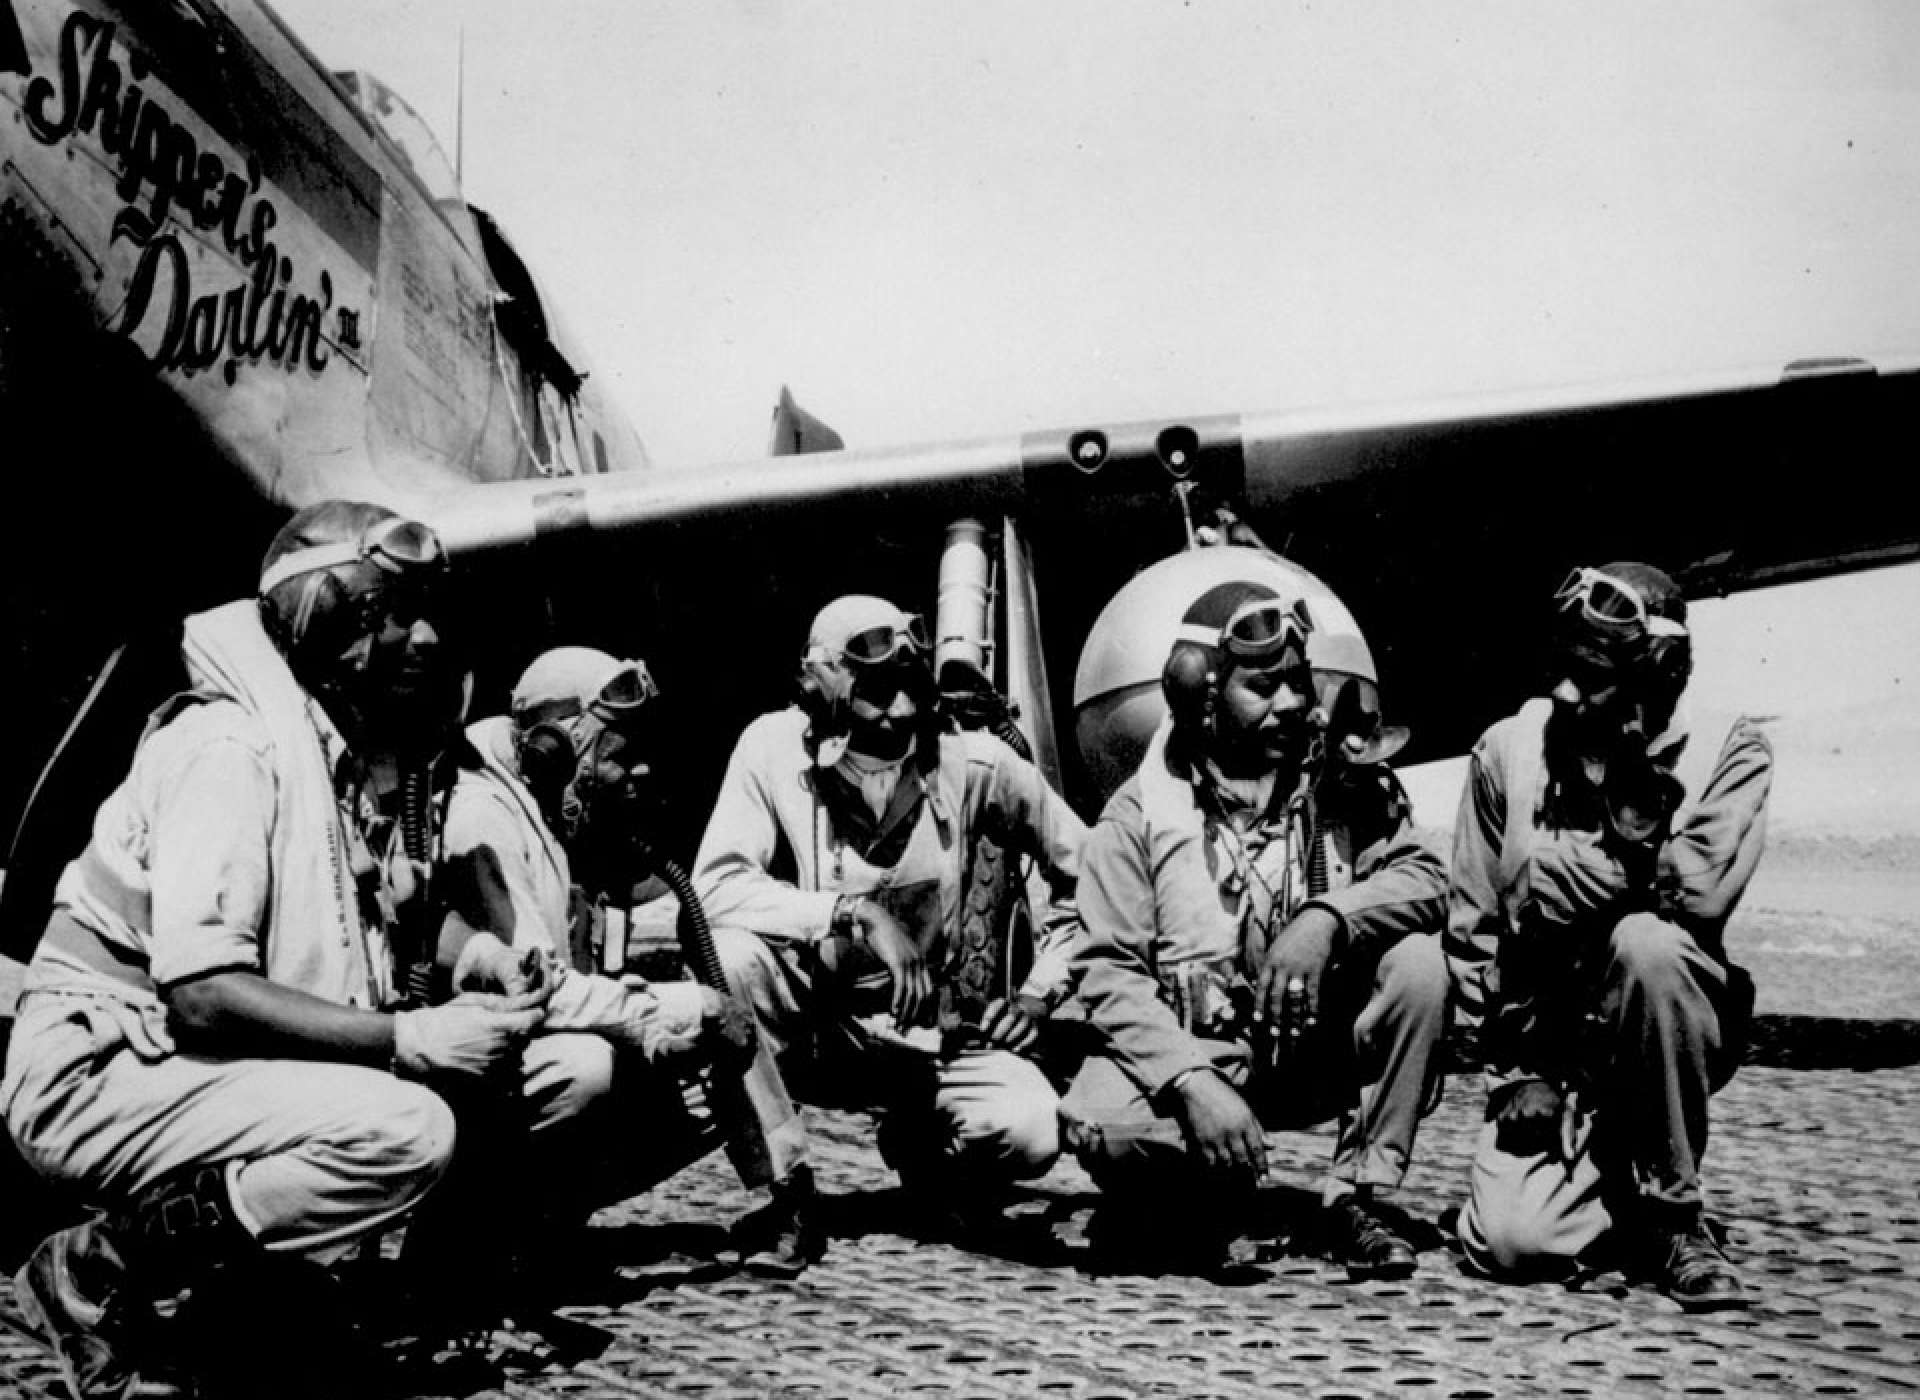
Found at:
[1814, 1166]
[1814, 1171]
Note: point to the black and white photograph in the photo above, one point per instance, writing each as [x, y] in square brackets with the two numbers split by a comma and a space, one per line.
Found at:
[780, 700]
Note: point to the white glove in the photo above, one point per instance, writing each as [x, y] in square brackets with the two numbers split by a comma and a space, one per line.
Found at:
[487, 964]
[464, 1036]
[670, 1029]
[664, 1021]
[684, 1020]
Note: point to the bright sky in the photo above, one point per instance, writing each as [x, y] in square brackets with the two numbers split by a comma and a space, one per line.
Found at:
[953, 219]
[962, 218]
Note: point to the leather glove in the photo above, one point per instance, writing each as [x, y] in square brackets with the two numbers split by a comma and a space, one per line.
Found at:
[470, 1035]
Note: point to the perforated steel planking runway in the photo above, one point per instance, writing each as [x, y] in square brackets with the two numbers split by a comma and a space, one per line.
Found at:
[1815, 1168]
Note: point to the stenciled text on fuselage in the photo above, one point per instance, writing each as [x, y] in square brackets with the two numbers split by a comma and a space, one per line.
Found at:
[258, 319]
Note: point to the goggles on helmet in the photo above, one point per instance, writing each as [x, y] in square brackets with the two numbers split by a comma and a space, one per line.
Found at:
[1259, 630]
[876, 645]
[1266, 627]
[617, 701]
[1611, 602]
[394, 545]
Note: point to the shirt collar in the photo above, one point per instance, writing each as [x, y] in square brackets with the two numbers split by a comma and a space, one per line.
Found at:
[343, 766]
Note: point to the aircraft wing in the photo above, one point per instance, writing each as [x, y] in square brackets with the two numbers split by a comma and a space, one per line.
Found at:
[1443, 525]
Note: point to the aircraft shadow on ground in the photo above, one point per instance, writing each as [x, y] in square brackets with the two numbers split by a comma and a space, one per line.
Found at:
[1833, 1043]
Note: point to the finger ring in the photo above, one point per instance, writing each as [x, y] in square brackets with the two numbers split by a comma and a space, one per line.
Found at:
[1296, 985]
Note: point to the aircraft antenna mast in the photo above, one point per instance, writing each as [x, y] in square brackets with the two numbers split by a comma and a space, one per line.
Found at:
[460, 111]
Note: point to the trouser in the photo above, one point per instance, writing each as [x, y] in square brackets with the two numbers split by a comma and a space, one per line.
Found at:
[589, 1125]
[993, 1114]
[1387, 1065]
[315, 1155]
[600, 1123]
[1670, 1031]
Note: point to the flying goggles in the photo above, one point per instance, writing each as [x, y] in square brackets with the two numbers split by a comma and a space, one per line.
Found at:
[1259, 630]
[406, 554]
[1610, 602]
[617, 702]
[874, 646]
[394, 546]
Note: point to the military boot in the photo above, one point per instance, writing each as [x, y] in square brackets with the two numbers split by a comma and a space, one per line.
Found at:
[1696, 1274]
[1365, 1242]
[783, 1239]
[76, 1290]
[93, 1287]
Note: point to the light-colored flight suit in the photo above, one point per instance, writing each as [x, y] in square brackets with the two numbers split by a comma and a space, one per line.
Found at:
[230, 845]
[574, 1069]
[788, 839]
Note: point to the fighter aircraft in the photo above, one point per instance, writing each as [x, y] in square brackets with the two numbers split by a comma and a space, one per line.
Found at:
[232, 283]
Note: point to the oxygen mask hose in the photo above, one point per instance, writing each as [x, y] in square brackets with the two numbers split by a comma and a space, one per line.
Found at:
[733, 1098]
[416, 841]
[1317, 862]
[692, 928]
[1009, 733]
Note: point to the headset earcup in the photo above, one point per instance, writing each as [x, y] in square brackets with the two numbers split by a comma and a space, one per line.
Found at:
[811, 699]
[826, 714]
[311, 620]
[1187, 682]
[546, 760]
[1674, 662]
[1665, 668]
